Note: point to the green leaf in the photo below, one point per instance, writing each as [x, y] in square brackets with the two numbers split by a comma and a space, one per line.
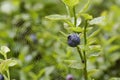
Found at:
[93, 55]
[97, 20]
[74, 64]
[63, 33]
[112, 39]
[69, 23]
[12, 63]
[57, 17]
[87, 16]
[94, 33]
[95, 47]
[70, 3]
[7, 63]
[76, 29]
[113, 48]
[40, 73]
[91, 41]
[93, 71]
[4, 50]
[84, 8]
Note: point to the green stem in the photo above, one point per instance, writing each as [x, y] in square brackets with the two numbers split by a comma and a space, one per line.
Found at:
[79, 51]
[75, 18]
[8, 72]
[84, 52]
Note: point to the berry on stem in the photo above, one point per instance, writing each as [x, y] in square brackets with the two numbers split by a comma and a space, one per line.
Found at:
[73, 40]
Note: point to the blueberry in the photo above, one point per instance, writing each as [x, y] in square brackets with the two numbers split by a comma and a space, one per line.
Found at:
[1, 77]
[73, 40]
[69, 77]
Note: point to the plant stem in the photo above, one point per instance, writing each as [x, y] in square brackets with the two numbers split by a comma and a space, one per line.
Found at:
[8, 72]
[81, 56]
[75, 18]
[84, 52]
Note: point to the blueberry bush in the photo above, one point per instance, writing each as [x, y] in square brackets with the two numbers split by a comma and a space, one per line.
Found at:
[59, 40]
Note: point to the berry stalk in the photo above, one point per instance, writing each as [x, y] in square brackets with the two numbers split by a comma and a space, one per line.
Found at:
[84, 51]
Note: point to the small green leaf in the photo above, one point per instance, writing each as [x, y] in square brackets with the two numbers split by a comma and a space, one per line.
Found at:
[87, 16]
[63, 33]
[70, 3]
[76, 29]
[95, 47]
[94, 55]
[112, 39]
[113, 48]
[4, 50]
[89, 28]
[84, 8]
[7, 63]
[57, 17]
[93, 71]
[74, 64]
[91, 41]
[97, 20]
[12, 63]
[69, 23]
[94, 33]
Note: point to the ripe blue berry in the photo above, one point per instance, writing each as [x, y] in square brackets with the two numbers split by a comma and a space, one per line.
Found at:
[73, 40]
[69, 77]
[1, 77]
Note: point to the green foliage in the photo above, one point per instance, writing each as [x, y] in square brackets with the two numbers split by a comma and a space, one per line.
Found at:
[57, 17]
[6, 63]
[97, 20]
[71, 3]
[46, 56]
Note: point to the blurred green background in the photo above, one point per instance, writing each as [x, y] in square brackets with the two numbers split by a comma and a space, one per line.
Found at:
[40, 48]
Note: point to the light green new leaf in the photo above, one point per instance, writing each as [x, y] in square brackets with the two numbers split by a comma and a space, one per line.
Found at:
[74, 64]
[70, 3]
[12, 63]
[97, 20]
[4, 50]
[57, 17]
